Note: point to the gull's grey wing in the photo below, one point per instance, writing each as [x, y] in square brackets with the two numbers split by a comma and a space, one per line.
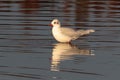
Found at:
[75, 33]
[70, 32]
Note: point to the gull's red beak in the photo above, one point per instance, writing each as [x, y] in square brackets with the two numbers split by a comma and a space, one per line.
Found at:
[51, 25]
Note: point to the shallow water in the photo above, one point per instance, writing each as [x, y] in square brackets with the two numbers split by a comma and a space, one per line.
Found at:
[29, 52]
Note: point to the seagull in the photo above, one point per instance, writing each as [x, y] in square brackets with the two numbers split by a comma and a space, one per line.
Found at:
[65, 34]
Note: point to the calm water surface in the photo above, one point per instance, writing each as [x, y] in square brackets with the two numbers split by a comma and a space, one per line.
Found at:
[29, 52]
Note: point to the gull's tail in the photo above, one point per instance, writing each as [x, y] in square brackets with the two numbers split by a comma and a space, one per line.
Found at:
[85, 32]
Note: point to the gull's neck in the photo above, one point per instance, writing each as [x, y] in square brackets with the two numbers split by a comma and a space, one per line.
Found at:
[57, 26]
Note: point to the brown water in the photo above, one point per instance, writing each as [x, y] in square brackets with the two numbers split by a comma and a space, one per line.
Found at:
[29, 52]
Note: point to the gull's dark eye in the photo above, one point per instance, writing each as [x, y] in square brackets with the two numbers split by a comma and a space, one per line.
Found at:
[54, 22]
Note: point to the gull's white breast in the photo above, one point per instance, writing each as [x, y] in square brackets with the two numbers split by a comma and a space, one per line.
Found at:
[59, 36]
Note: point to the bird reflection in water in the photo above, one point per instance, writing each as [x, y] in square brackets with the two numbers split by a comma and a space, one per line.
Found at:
[66, 51]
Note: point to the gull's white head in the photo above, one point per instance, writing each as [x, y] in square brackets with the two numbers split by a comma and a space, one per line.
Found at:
[55, 23]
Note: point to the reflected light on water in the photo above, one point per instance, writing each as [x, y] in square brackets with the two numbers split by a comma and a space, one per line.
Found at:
[65, 51]
[26, 40]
